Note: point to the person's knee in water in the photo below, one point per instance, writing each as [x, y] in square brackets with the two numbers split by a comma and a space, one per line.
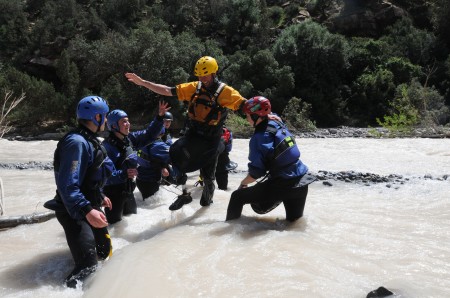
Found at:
[273, 154]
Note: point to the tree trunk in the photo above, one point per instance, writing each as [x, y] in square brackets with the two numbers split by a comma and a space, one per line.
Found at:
[7, 222]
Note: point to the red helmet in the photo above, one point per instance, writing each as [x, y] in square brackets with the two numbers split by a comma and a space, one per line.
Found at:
[257, 105]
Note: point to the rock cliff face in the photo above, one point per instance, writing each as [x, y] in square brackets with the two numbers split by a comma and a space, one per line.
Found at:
[364, 18]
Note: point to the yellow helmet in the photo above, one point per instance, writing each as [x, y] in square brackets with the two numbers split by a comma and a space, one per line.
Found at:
[205, 66]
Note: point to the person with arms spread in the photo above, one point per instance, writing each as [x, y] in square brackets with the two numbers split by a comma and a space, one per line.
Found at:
[273, 154]
[209, 100]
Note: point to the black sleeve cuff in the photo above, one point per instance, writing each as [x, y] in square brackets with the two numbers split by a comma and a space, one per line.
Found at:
[86, 209]
[160, 118]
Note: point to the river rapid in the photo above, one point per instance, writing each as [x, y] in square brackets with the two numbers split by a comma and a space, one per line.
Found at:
[354, 237]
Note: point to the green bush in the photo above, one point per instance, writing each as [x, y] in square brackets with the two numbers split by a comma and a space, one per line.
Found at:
[297, 114]
[42, 102]
[239, 125]
[318, 60]
[404, 116]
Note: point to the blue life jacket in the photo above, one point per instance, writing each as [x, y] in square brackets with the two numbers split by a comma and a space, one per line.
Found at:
[273, 150]
[152, 158]
[285, 149]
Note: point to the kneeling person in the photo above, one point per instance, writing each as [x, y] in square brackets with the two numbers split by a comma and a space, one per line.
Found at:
[273, 153]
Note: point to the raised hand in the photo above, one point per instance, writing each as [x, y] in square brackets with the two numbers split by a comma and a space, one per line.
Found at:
[163, 108]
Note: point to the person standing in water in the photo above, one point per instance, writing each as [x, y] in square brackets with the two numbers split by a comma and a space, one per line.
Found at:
[209, 100]
[120, 186]
[273, 155]
[81, 168]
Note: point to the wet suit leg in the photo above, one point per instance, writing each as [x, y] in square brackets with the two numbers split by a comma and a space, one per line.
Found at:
[221, 171]
[196, 152]
[253, 194]
[114, 193]
[294, 202]
[207, 173]
[130, 206]
[147, 188]
[268, 193]
[81, 241]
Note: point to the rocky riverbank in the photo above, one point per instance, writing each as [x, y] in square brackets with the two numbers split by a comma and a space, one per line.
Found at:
[336, 132]
[327, 178]
[376, 132]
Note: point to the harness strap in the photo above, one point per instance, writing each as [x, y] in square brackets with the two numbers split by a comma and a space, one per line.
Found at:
[124, 147]
[212, 103]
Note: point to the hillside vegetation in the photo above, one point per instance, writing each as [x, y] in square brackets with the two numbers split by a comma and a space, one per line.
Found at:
[322, 63]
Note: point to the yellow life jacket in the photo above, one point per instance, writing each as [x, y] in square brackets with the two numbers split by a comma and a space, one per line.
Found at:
[204, 107]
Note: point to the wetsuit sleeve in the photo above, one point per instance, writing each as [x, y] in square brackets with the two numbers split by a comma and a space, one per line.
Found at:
[75, 157]
[231, 98]
[142, 138]
[261, 146]
[118, 174]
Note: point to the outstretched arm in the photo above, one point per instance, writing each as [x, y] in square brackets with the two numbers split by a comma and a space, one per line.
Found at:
[157, 88]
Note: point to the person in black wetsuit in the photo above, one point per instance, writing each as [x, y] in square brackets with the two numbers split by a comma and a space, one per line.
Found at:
[224, 164]
[273, 154]
[209, 101]
[81, 168]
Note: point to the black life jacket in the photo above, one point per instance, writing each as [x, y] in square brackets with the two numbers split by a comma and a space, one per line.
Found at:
[204, 108]
[124, 147]
[90, 187]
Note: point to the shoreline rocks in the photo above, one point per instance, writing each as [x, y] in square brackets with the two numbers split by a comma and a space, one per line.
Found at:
[375, 133]
[327, 177]
[334, 132]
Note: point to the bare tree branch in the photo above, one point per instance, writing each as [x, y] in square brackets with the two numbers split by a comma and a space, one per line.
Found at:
[9, 103]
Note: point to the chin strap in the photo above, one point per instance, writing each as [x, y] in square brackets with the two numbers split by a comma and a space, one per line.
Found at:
[255, 118]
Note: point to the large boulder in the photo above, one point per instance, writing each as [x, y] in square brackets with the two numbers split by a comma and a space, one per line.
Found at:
[367, 18]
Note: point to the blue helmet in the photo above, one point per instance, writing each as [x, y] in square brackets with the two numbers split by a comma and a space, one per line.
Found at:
[90, 106]
[113, 119]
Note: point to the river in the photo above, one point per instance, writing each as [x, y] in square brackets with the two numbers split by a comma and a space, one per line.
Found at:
[353, 238]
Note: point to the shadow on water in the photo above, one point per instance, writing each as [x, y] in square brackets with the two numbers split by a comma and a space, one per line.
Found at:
[249, 227]
[154, 201]
[158, 227]
[48, 269]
